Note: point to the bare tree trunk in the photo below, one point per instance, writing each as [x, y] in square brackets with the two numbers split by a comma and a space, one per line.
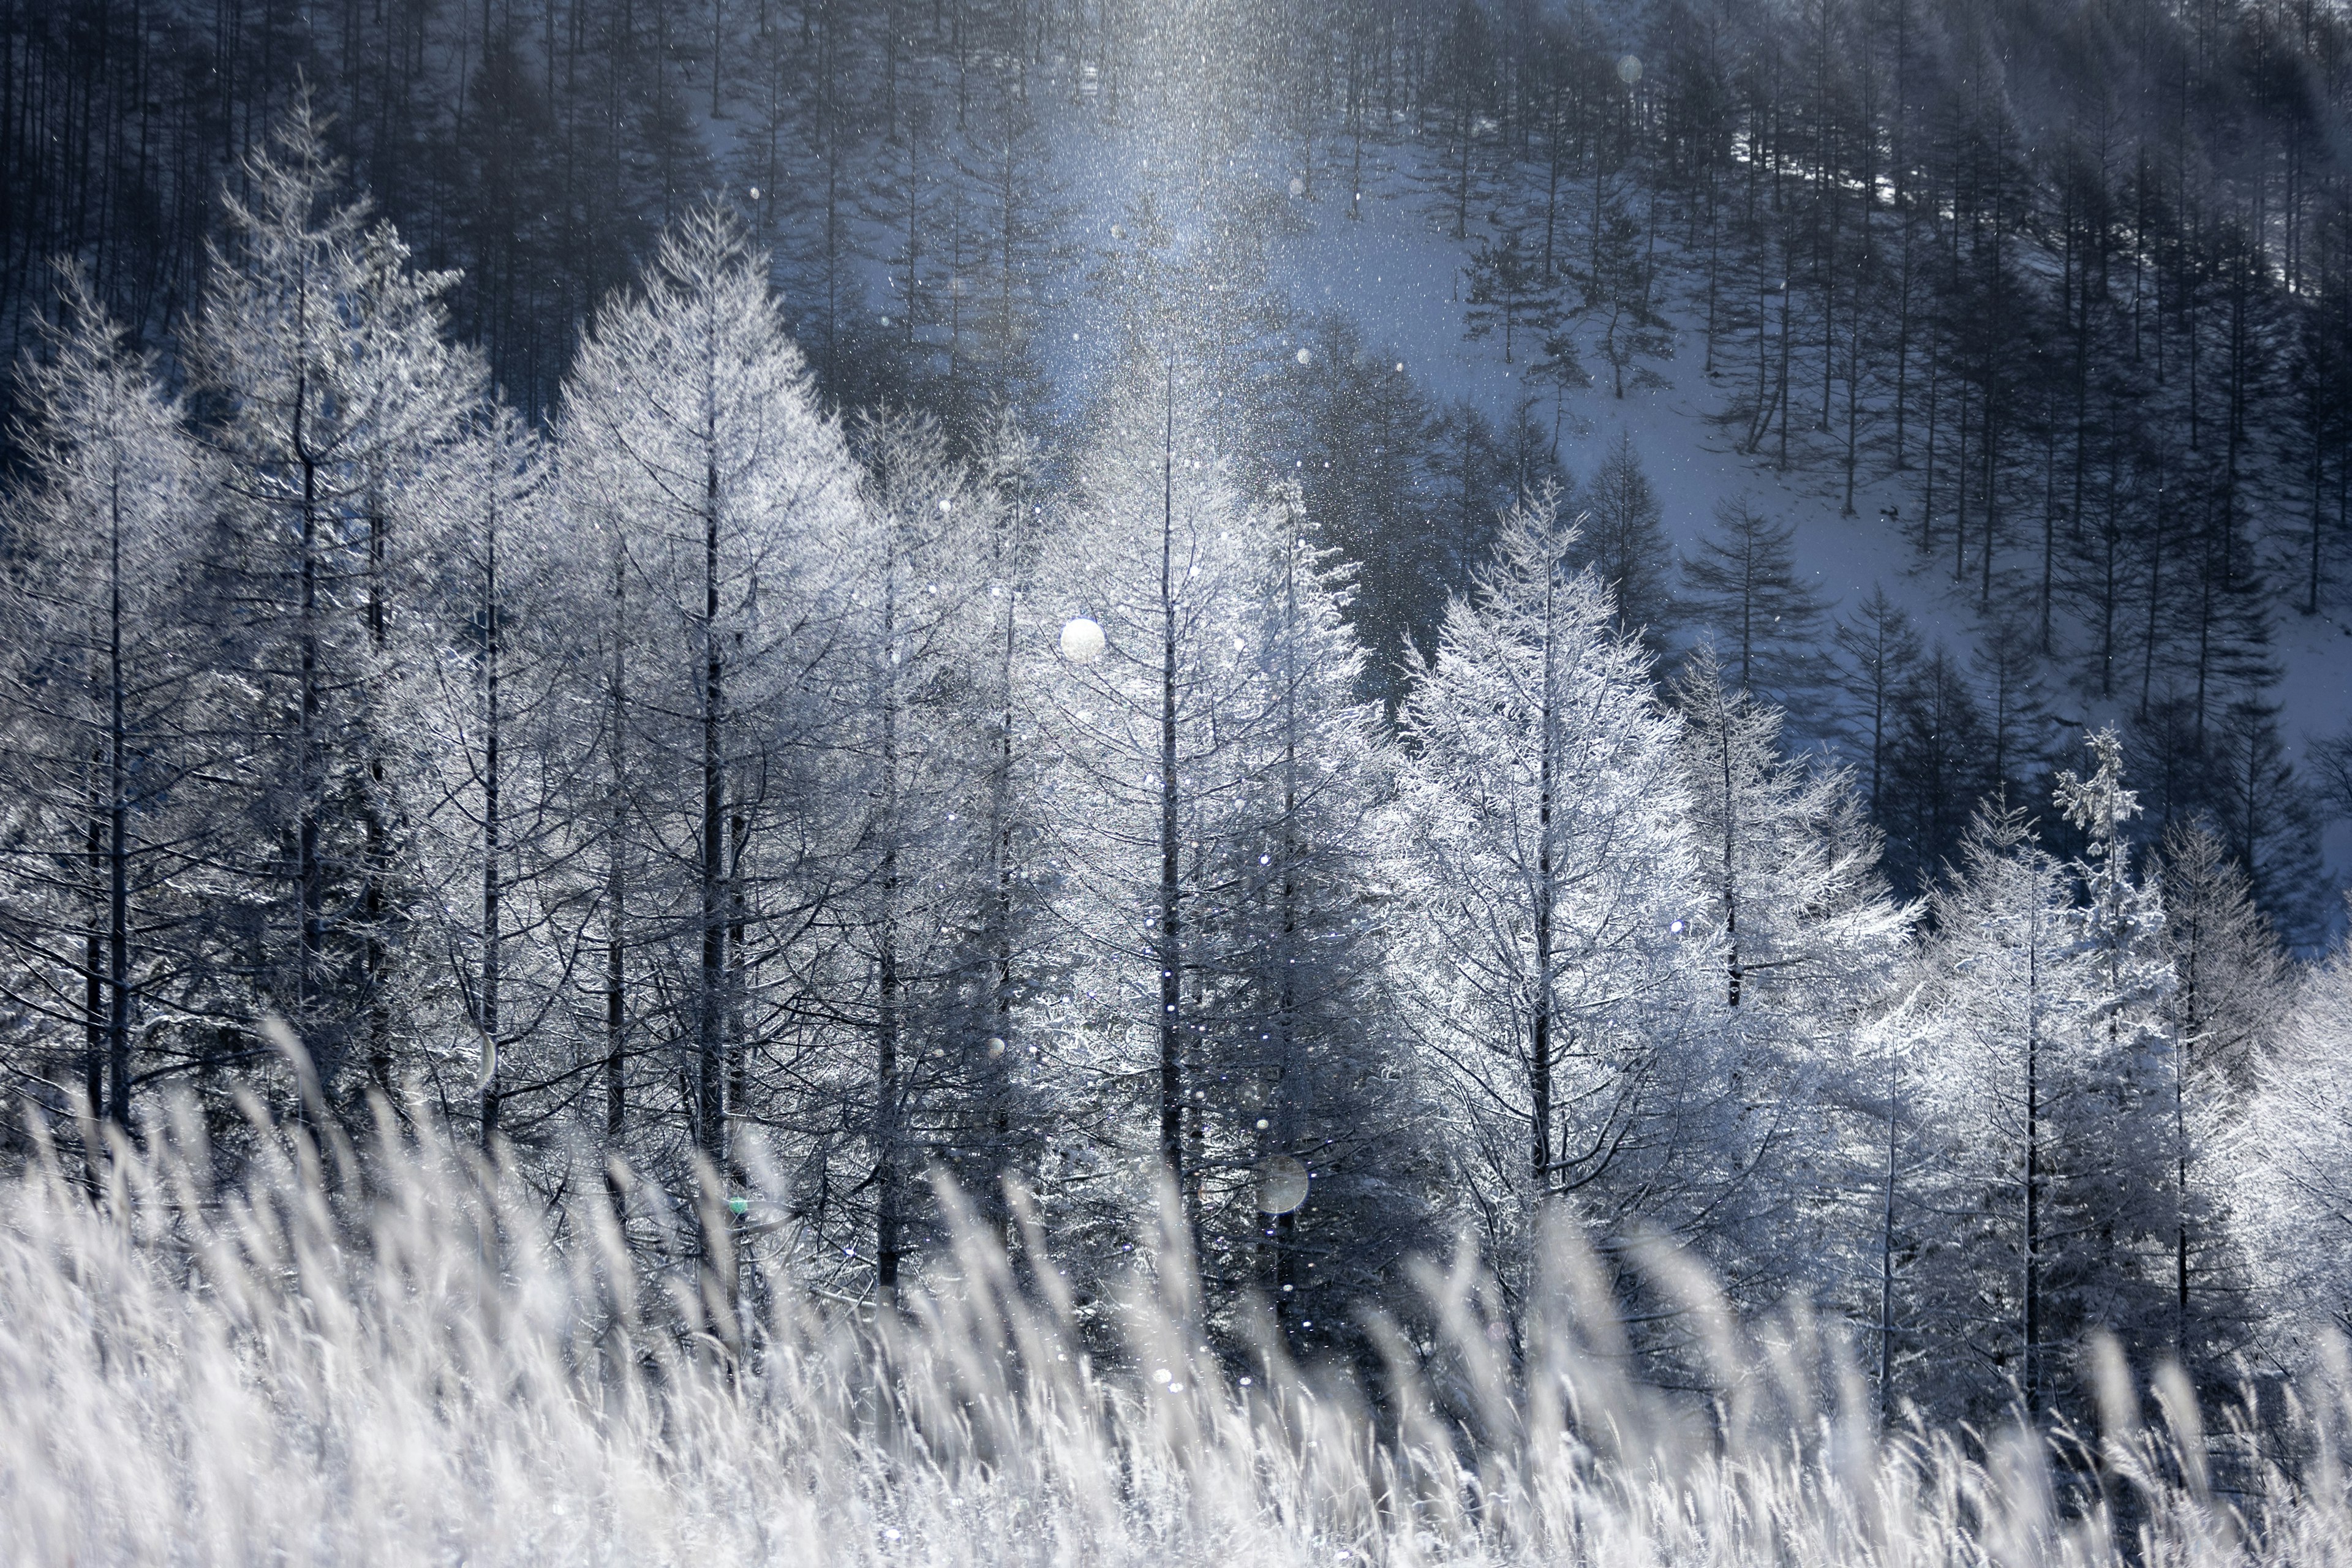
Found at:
[889, 1091]
[1172, 1087]
[2032, 1330]
[1540, 1085]
[616, 893]
[711, 989]
[118, 836]
[491, 954]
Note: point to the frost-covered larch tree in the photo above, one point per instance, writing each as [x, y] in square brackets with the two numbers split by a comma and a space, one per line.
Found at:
[2137, 1067]
[916, 977]
[1305, 1063]
[1205, 776]
[724, 502]
[324, 388]
[1150, 553]
[2002, 1014]
[100, 703]
[1551, 938]
[2294, 1161]
[502, 766]
[1811, 944]
[2232, 992]
[2046, 1080]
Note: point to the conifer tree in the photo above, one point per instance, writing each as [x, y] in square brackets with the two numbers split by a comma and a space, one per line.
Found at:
[2230, 993]
[1556, 967]
[102, 700]
[1882, 651]
[691, 430]
[319, 359]
[1626, 544]
[2294, 1159]
[1743, 590]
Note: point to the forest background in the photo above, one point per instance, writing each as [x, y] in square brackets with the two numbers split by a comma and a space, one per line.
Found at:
[542, 539]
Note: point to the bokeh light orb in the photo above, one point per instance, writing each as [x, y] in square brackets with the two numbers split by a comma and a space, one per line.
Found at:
[1082, 641]
[1281, 1184]
[1629, 69]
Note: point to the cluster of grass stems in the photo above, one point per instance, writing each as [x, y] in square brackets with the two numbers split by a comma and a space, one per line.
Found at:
[402, 1355]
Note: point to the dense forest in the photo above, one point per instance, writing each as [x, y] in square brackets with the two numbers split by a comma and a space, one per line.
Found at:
[757, 603]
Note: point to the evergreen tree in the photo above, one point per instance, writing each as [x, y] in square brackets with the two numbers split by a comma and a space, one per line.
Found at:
[1742, 589]
[1626, 545]
[103, 699]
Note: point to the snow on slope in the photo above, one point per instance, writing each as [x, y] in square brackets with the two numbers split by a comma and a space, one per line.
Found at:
[1398, 271]
[1401, 274]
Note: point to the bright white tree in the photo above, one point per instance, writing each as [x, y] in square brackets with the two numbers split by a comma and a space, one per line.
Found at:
[1811, 947]
[2048, 1084]
[498, 758]
[724, 502]
[1555, 961]
[100, 704]
[329, 388]
[2233, 990]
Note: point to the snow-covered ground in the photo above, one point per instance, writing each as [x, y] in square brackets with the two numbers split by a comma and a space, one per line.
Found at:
[1399, 272]
[1396, 270]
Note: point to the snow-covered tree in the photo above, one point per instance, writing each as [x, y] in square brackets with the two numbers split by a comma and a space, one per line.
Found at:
[2231, 989]
[1208, 763]
[326, 388]
[913, 1065]
[1553, 954]
[101, 733]
[1811, 946]
[2294, 1161]
[501, 766]
[726, 504]
[2047, 1084]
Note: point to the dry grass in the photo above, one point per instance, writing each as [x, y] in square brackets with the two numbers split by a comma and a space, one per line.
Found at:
[442, 1373]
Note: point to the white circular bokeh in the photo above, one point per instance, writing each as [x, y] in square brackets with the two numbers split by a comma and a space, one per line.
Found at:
[1082, 641]
[1281, 1184]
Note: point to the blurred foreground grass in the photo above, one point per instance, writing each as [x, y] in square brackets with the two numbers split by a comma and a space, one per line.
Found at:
[416, 1362]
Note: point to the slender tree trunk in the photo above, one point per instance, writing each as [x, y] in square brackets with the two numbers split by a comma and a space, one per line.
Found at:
[118, 835]
[616, 893]
[1730, 866]
[309, 870]
[375, 950]
[1001, 1060]
[1540, 1085]
[2032, 1327]
[1172, 1087]
[711, 992]
[888, 1091]
[492, 825]
[1286, 1272]
[1886, 1260]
